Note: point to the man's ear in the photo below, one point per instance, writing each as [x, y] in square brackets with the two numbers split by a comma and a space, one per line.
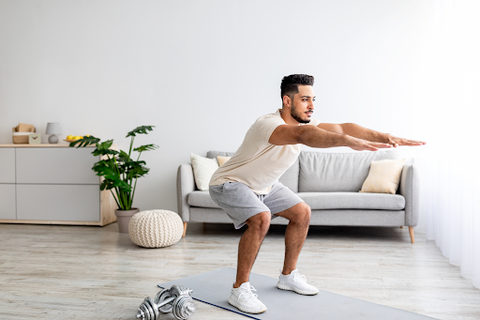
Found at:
[287, 102]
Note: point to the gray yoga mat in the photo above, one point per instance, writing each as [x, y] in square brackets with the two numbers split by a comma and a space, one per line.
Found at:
[214, 287]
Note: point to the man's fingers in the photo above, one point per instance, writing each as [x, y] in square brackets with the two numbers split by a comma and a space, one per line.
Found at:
[374, 146]
[405, 142]
[381, 145]
[415, 143]
[410, 143]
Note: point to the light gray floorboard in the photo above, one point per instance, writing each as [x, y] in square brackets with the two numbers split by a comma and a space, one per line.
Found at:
[77, 272]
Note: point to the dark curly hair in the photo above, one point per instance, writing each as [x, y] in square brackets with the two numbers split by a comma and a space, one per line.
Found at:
[290, 84]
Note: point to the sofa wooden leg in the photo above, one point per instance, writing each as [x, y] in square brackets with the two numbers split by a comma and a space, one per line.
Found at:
[184, 229]
[412, 235]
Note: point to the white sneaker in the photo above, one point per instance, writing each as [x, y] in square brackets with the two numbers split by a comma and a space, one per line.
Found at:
[243, 299]
[297, 283]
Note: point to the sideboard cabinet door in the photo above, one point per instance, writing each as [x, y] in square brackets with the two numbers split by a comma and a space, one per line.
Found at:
[58, 202]
[56, 166]
[7, 201]
[7, 165]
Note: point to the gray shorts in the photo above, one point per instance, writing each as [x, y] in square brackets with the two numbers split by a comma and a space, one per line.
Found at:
[241, 203]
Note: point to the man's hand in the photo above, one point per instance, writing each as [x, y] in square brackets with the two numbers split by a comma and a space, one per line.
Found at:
[361, 145]
[396, 142]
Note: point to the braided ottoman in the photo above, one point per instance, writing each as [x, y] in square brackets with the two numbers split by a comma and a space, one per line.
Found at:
[155, 228]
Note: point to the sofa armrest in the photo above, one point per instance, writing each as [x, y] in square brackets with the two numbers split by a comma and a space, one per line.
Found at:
[185, 185]
[410, 189]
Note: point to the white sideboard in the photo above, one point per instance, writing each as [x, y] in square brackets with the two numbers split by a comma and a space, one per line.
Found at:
[52, 184]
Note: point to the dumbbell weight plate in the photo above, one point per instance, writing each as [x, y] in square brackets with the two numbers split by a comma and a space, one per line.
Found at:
[152, 306]
[162, 296]
[147, 313]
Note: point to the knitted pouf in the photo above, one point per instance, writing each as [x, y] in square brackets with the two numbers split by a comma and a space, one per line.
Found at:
[155, 228]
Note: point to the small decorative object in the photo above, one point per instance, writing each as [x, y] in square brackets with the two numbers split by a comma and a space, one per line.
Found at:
[118, 169]
[34, 138]
[72, 138]
[178, 300]
[155, 228]
[20, 133]
[53, 128]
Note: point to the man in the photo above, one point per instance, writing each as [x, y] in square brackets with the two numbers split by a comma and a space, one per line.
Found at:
[246, 187]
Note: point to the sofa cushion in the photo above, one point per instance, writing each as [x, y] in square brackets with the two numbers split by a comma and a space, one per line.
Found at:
[221, 160]
[384, 176]
[337, 172]
[326, 200]
[353, 200]
[203, 169]
[201, 199]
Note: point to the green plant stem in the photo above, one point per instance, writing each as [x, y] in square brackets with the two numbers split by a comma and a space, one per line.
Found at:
[131, 146]
[133, 191]
[125, 200]
[130, 179]
[115, 198]
[120, 197]
[135, 185]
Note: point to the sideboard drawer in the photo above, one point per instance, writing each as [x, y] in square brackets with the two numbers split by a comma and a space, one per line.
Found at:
[7, 201]
[7, 165]
[58, 202]
[56, 166]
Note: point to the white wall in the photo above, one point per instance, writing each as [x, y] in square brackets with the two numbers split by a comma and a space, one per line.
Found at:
[203, 71]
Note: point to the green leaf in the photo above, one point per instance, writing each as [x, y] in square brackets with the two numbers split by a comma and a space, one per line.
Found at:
[103, 149]
[146, 147]
[140, 130]
[123, 156]
[85, 141]
[108, 184]
[104, 152]
[105, 168]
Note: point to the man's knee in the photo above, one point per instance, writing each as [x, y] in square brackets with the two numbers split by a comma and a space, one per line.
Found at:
[302, 213]
[260, 222]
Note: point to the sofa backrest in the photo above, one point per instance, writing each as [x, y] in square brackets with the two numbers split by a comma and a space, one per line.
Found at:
[327, 172]
[334, 172]
[214, 154]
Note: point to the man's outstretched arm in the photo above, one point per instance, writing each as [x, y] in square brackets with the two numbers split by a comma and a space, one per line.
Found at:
[319, 138]
[360, 132]
[335, 136]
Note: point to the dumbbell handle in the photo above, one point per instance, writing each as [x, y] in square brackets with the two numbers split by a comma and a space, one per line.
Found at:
[165, 302]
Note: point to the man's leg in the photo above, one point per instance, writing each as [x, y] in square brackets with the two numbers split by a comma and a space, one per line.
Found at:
[249, 245]
[295, 235]
[243, 206]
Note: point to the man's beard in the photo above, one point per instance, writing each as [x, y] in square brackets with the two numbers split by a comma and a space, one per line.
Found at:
[296, 116]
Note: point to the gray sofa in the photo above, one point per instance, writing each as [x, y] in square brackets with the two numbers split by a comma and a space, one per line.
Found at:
[329, 183]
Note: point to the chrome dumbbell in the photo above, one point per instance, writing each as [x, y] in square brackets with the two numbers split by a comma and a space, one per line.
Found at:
[177, 299]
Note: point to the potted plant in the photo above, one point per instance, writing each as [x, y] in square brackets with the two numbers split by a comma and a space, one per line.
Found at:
[119, 171]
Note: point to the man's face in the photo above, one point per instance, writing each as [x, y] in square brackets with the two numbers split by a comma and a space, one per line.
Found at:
[302, 104]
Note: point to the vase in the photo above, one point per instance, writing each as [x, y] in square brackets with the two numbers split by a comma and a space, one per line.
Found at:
[123, 218]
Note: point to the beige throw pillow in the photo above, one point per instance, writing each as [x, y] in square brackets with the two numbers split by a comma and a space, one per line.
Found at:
[222, 160]
[203, 169]
[384, 176]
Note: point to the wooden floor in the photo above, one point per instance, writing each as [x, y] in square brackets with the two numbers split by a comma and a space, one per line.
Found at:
[66, 272]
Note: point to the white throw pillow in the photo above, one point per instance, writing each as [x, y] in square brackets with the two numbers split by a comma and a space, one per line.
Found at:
[384, 176]
[203, 169]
